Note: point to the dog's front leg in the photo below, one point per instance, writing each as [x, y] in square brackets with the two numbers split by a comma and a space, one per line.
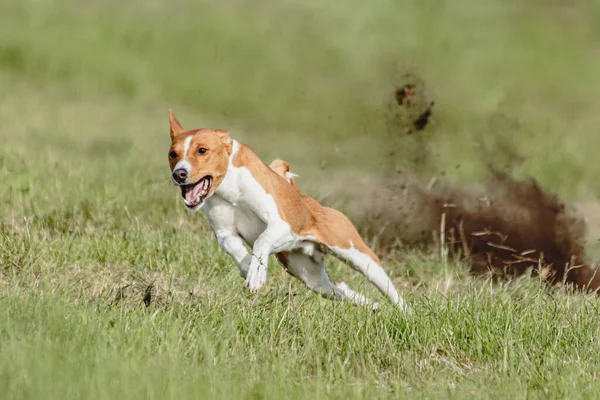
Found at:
[221, 216]
[234, 246]
[263, 246]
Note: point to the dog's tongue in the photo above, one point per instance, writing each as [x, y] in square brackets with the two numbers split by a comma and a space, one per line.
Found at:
[190, 195]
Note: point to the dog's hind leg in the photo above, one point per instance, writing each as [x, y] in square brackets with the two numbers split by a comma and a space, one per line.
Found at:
[335, 231]
[311, 271]
[372, 270]
[355, 297]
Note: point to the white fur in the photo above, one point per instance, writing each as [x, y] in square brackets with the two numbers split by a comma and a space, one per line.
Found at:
[240, 210]
[357, 298]
[256, 218]
[373, 271]
[184, 163]
[289, 176]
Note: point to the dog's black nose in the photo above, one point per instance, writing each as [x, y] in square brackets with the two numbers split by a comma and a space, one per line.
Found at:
[180, 175]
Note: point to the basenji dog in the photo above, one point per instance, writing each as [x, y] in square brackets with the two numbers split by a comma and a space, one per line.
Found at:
[246, 201]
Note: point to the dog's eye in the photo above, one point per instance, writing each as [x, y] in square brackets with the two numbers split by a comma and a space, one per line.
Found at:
[201, 150]
[172, 154]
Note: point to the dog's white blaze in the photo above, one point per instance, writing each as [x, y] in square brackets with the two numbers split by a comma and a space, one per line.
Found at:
[184, 163]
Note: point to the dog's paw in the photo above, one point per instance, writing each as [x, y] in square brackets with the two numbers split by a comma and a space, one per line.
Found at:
[256, 278]
[405, 308]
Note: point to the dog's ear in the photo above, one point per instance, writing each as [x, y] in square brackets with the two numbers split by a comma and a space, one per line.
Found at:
[225, 138]
[176, 127]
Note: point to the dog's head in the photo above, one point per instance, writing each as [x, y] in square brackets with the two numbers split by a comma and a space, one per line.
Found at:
[199, 159]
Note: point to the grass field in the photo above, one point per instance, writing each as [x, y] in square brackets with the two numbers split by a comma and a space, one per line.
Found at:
[91, 226]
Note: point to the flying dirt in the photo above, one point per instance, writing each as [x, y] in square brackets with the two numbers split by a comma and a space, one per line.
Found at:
[505, 229]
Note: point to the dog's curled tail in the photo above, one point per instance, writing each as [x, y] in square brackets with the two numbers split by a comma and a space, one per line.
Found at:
[282, 168]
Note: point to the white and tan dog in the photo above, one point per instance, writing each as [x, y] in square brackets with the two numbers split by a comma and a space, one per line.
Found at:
[247, 201]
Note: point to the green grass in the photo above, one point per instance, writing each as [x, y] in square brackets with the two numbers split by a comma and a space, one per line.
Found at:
[90, 221]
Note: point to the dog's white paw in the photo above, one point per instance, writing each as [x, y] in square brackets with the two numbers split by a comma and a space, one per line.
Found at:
[404, 307]
[256, 277]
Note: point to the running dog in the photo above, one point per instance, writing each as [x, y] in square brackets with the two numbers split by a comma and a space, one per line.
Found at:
[247, 201]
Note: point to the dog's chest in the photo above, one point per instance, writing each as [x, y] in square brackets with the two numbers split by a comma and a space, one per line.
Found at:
[247, 223]
[236, 219]
[237, 202]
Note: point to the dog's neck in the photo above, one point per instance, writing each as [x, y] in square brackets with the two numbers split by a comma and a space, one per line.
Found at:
[228, 189]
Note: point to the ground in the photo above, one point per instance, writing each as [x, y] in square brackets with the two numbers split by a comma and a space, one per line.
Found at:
[109, 288]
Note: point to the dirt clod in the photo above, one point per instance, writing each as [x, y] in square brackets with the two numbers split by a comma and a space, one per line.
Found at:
[415, 105]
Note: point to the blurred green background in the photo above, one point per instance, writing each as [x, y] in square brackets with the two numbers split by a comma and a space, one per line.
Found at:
[514, 83]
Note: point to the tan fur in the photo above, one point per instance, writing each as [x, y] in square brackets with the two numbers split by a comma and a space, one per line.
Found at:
[214, 162]
[174, 125]
[282, 168]
[264, 204]
[288, 199]
[331, 225]
[304, 214]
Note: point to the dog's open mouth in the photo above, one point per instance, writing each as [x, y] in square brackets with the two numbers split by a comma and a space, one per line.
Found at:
[196, 193]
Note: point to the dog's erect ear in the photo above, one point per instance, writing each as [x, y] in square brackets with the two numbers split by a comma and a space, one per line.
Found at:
[225, 138]
[176, 127]
[222, 133]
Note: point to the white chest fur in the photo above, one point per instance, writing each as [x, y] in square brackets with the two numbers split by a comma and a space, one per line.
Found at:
[240, 206]
[233, 219]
